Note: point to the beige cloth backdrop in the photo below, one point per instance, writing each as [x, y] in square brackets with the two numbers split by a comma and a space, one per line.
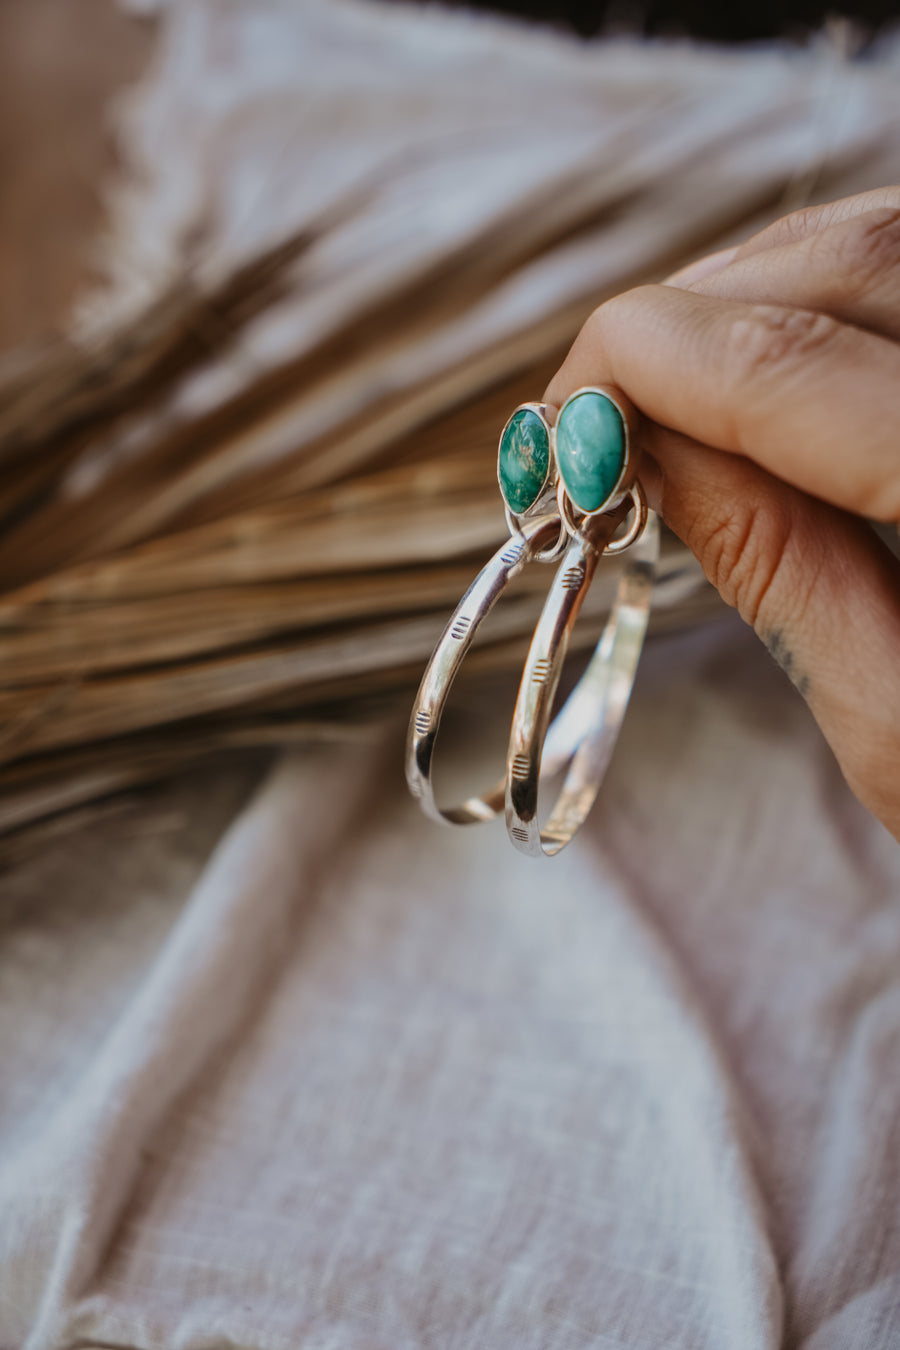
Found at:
[362, 1082]
[285, 1067]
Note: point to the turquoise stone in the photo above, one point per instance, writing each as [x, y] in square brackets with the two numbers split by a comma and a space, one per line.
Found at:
[523, 460]
[590, 449]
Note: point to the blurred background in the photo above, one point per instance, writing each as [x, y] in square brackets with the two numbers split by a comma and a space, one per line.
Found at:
[738, 22]
[273, 276]
[57, 148]
[294, 1066]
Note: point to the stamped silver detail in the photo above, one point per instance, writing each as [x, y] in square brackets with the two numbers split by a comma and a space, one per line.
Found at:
[445, 663]
[510, 556]
[580, 740]
[572, 579]
[520, 767]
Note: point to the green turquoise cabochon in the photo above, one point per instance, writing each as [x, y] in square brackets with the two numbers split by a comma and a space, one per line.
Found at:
[523, 460]
[591, 446]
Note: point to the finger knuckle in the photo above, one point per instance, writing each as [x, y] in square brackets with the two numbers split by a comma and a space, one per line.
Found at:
[863, 252]
[746, 554]
[595, 341]
[592, 324]
[613, 311]
[767, 341]
[797, 225]
[813, 221]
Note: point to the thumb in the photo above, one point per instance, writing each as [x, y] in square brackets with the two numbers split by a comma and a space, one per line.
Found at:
[817, 585]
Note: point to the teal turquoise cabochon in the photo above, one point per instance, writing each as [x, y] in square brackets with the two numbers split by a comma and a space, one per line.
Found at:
[591, 448]
[523, 460]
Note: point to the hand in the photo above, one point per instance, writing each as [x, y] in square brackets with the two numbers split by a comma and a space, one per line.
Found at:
[769, 376]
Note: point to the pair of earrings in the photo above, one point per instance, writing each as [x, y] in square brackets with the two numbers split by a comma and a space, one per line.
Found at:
[584, 460]
[555, 481]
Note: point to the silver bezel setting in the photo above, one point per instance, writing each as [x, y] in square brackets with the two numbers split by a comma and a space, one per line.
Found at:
[567, 507]
[548, 484]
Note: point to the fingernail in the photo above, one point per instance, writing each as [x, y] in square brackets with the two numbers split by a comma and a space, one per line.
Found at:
[703, 267]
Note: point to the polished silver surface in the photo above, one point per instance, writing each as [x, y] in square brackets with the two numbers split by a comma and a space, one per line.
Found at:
[581, 739]
[633, 498]
[531, 538]
[585, 731]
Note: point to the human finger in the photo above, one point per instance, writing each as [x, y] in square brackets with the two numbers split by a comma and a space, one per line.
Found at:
[850, 270]
[819, 588]
[814, 401]
[790, 229]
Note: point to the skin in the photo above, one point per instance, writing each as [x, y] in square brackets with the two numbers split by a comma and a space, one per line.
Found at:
[768, 378]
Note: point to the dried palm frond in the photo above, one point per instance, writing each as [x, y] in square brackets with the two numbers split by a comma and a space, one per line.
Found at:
[240, 502]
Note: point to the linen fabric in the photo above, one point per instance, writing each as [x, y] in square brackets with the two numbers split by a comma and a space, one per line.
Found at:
[360, 1081]
[283, 1066]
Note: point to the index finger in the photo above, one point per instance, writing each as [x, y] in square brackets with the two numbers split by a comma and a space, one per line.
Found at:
[812, 400]
[799, 225]
[789, 229]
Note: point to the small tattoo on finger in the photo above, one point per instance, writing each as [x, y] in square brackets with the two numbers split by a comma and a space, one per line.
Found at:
[780, 651]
